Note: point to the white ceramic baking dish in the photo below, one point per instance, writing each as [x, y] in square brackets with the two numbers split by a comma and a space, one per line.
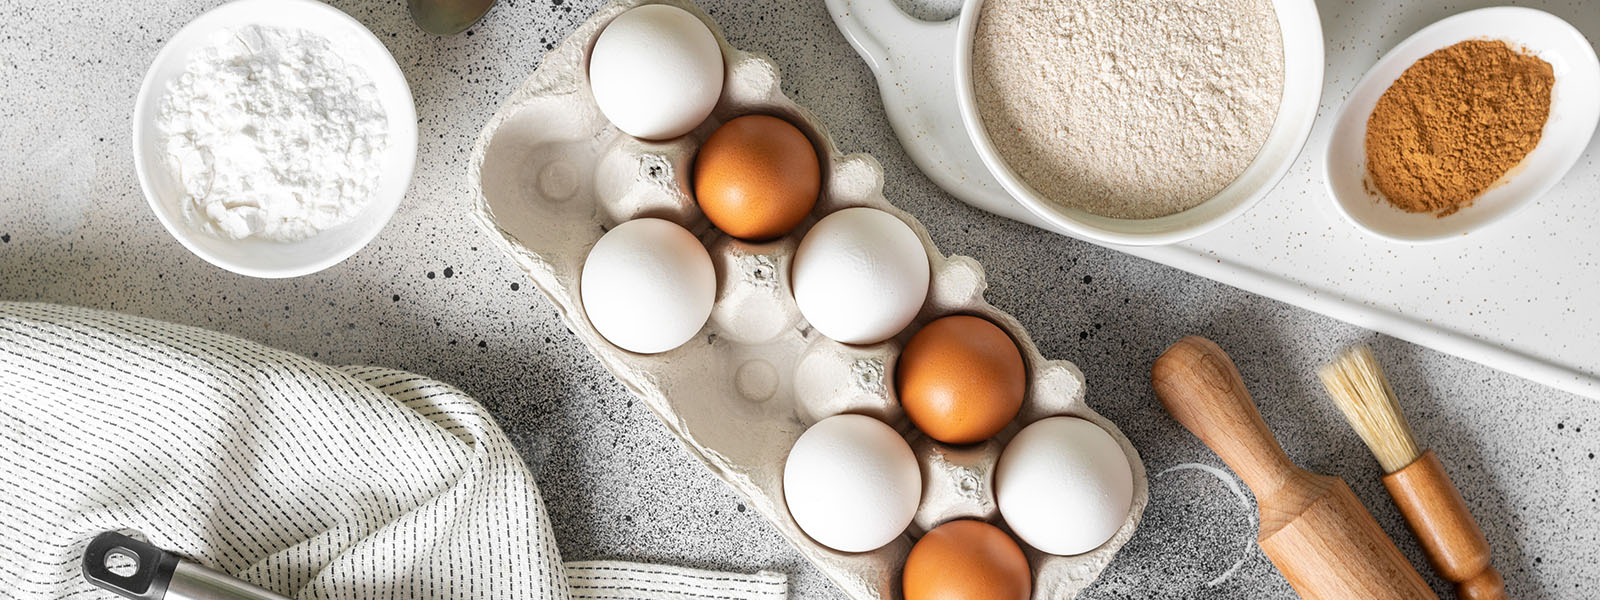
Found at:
[936, 56]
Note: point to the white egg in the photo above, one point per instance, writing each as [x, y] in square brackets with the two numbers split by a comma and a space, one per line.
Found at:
[1064, 485]
[852, 483]
[648, 285]
[860, 276]
[656, 72]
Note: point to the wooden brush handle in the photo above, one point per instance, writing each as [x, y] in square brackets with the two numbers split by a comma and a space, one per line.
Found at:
[1450, 536]
[1313, 527]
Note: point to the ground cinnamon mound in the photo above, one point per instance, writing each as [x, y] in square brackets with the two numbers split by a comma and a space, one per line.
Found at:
[1454, 123]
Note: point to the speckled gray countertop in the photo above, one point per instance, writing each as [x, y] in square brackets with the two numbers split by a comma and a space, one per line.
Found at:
[430, 295]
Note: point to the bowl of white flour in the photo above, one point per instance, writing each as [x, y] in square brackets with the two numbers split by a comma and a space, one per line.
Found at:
[274, 138]
[1138, 122]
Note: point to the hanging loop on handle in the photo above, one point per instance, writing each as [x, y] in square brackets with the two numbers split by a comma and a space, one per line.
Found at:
[152, 566]
[160, 575]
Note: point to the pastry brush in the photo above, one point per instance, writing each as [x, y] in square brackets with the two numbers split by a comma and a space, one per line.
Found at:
[1429, 501]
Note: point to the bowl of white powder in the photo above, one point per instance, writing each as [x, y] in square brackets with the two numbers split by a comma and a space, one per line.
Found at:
[1138, 122]
[274, 138]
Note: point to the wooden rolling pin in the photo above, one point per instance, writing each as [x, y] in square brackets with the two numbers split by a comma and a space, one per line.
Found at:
[1313, 527]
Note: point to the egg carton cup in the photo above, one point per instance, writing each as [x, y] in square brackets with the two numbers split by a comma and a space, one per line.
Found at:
[553, 175]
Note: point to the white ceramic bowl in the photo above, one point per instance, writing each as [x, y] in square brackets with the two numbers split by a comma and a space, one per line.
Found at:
[1574, 111]
[256, 257]
[1297, 109]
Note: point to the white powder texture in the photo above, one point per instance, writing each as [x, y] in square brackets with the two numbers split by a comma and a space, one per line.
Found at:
[272, 135]
[1130, 109]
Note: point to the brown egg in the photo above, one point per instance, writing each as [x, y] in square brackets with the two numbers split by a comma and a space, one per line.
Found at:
[966, 560]
[757, 177]
[961, 379]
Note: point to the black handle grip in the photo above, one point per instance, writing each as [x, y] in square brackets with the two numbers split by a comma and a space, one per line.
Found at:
[152, 572]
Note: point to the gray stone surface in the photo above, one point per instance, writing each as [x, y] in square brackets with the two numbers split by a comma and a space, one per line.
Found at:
[429, 295]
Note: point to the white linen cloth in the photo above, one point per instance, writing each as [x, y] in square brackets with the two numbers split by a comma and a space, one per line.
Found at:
[309, 480]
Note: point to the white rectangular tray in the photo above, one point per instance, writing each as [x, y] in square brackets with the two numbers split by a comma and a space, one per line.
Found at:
[1522, 295]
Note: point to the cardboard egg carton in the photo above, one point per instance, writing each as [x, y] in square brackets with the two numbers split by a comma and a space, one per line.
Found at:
[553, 175]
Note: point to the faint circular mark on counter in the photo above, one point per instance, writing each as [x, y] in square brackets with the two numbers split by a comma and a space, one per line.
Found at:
[1228, 480]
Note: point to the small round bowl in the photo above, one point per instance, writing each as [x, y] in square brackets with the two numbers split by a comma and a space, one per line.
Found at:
[263, 258]
[1574, 111]
[1302, 93]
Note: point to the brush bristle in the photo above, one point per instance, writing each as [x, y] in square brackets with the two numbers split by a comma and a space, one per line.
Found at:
[1362, 393]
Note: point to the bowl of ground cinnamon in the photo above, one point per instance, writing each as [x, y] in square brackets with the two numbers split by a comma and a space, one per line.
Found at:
[1464, 123]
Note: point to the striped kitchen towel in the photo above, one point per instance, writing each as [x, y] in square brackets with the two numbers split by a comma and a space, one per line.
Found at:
[309, 480]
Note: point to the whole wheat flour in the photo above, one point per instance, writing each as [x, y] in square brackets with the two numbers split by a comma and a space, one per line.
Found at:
[1131, 109]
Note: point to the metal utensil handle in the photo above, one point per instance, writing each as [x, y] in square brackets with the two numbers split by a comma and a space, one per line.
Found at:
[161, 575]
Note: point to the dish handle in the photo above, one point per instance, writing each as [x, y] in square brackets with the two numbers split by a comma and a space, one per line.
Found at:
[875, 27]
[913, 61]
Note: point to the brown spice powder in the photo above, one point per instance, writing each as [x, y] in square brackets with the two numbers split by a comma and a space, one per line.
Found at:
[1454, 123]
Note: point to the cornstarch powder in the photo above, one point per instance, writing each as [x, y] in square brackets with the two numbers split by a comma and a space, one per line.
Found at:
[272, 135]
[1130, 109]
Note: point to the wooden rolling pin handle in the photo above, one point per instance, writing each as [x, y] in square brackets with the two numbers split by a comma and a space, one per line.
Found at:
[1201, 388]
[1437, 514]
